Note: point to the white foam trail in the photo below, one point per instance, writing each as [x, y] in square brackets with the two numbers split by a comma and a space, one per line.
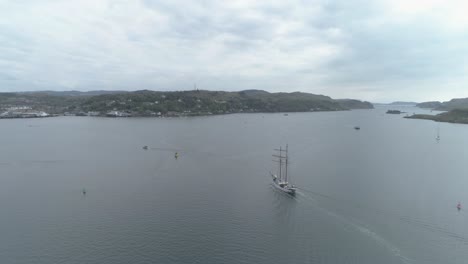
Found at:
[380, 240]
[363, 230]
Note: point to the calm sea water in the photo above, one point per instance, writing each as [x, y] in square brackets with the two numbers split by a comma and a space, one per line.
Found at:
[384, 194]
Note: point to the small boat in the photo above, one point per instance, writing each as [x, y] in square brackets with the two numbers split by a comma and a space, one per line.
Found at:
[357, 127]
[84, 191]
[280, 180]
[285, 114]
[176, 155]
[145, 147]
[459, 206]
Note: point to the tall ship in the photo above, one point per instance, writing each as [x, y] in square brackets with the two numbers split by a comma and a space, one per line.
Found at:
[281, 178]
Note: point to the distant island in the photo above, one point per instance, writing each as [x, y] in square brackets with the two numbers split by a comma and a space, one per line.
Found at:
[457, 111]
[457, 103]
[398, 103]
[430, 105]
[174, 103]
[394, 112]
[404, 103]
[453, 116]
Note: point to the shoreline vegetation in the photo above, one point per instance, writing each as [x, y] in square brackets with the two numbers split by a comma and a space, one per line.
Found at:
[146, 103]
[459, 116]
[456, 111]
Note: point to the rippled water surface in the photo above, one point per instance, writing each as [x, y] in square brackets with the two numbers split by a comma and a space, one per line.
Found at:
[384, 194]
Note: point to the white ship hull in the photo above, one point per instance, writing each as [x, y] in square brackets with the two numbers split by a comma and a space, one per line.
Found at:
[285, 188]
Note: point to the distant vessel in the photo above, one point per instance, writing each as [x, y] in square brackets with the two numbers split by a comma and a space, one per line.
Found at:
[438, 134]
[84, 191]
[280, 180]
[357, 127]
[176, 155]
[285, 114]
[145, 147]
[459, 206]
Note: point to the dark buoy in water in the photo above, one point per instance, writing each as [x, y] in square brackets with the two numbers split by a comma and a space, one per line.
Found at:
[357, 127]
[84, 191]
[145, 147]
[459, 206]
[176, 155]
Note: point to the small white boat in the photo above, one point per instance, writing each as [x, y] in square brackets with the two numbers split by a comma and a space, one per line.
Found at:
[280, 180]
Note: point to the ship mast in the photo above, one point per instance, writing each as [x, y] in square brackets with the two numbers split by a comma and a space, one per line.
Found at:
[282, 159]
[281, 181]
[280, 165]
[286, 164]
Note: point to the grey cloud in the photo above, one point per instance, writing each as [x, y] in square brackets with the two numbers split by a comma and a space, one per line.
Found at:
[339, 48]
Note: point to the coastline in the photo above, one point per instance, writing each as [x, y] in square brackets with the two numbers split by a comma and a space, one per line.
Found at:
[456, 116]
[172, 115]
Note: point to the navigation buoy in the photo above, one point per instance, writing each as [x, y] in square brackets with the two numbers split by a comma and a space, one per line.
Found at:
[459, 206]
[84, 191]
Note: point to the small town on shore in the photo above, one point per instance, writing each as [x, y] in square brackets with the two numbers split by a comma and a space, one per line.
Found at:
[28, 112]
[22, 112]
[147, 103]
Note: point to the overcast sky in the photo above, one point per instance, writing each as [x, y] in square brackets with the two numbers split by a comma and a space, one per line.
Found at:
[374, 50]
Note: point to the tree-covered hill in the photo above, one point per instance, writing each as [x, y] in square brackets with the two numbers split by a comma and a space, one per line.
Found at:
[195, 102]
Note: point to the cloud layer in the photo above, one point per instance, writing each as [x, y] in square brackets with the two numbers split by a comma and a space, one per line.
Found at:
[374, 50]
